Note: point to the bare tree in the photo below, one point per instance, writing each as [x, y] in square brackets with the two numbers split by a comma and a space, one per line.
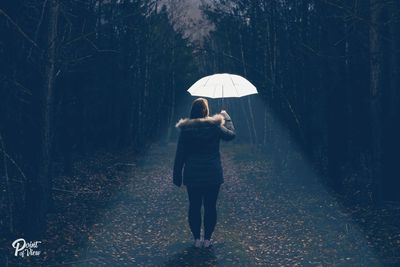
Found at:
[375, 42]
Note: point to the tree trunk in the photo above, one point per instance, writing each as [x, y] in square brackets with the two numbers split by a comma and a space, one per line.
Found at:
[376, 96]
[392, 143]
[9, 191]
[44, 170]
[172, 108]
[252, 122]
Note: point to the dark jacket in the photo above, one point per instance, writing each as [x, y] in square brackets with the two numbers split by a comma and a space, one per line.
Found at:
[197, 151]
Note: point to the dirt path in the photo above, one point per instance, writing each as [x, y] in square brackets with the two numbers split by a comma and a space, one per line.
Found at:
[263, 221]
[266, 217]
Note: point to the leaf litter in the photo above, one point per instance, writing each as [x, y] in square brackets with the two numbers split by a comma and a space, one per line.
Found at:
[128, 213]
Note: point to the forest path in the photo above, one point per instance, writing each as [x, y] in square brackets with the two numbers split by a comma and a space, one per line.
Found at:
[264, 219]
[121, 209]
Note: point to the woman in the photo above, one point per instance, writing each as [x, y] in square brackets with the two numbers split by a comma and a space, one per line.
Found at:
[198, 155]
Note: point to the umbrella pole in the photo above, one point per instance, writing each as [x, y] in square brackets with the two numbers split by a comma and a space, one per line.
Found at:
[222, 99]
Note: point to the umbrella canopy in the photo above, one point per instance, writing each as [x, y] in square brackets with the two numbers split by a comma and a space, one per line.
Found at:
[222, 85]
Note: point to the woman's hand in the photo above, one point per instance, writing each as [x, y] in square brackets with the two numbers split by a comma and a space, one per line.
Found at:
[225, 114]
[227, 130]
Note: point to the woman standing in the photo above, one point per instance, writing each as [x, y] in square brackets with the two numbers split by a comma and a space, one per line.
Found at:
[198, 155]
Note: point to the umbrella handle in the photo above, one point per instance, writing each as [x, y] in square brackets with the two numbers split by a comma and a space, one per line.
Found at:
[222, 99]
[223, 107]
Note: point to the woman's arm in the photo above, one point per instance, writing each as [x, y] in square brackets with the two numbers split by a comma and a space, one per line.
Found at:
[179, 162]
[227, 130]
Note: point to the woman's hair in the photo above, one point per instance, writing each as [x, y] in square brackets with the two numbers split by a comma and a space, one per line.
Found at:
[199, 108]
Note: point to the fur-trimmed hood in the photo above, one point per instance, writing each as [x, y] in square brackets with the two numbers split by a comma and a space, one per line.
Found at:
[216, 119]
[204, 129]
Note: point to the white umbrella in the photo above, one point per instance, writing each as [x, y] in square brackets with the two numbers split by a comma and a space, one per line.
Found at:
[222, 85]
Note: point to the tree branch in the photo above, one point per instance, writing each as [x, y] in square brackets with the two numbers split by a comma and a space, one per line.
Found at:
[19, 29]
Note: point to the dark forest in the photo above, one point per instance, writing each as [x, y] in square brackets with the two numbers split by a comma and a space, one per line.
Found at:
[89, 88]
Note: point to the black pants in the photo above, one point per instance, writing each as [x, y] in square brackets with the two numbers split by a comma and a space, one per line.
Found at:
[206, 195]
